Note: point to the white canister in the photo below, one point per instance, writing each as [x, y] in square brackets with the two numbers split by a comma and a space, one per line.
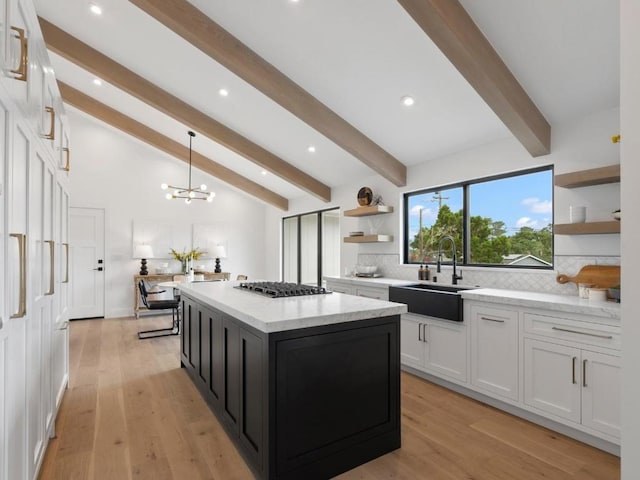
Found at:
[598, 294]
[577, 214]
[583, 290]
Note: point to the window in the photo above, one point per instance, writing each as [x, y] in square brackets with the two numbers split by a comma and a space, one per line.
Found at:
[311, 246]
[500, 221]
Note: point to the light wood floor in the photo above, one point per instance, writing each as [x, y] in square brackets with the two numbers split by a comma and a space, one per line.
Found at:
[132, 413]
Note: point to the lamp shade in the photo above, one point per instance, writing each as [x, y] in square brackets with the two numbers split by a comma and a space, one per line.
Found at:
[219, 251]
[143, 251]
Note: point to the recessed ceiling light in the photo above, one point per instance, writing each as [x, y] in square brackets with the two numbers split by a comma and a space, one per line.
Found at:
[97, 81]
[223, 92]
[294, 1]
[95, 9]
[263, 172]
[311, 149]
[407, 101]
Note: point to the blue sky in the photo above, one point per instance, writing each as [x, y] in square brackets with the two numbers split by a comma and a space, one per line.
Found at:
[517, 201]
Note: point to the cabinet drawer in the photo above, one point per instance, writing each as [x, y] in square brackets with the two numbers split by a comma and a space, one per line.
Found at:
[373, 292]
[572, 330]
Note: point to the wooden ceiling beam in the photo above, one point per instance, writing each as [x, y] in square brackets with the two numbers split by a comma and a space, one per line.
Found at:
[140, 131]
[451, 28]
[95, 62]
[194, 26]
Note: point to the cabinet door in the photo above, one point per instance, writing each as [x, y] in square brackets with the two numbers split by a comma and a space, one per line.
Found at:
[232, 369]
[412, 347]
[447, 349]
[252, 387]
[494, 350]
[601, 392]
[17, 70]
[552, 378]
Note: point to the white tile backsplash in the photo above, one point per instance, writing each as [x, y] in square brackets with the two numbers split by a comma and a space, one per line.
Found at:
[511, 279]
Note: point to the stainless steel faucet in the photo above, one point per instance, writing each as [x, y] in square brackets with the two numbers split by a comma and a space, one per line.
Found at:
[454, 277]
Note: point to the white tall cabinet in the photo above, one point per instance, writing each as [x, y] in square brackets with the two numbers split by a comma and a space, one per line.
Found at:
[34, 204]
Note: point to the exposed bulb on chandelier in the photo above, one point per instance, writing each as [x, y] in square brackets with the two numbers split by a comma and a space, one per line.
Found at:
[187, 201]
[192, 194]
[203, 187]
[164, 186]
[168, 196]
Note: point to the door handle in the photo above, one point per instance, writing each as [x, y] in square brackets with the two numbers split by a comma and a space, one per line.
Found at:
[22, 251]
[21, 71]
[52, 128]
[51, 267]
[99, 269]
[66, 272]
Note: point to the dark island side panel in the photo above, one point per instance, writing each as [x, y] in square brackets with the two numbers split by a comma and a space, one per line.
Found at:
[308, 403]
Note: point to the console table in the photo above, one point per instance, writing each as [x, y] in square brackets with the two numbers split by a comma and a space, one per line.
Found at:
[153, 279]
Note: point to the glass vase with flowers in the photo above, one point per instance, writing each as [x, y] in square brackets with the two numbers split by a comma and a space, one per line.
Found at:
[184, 257]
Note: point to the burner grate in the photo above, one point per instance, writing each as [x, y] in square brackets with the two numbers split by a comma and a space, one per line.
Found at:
[282, 289]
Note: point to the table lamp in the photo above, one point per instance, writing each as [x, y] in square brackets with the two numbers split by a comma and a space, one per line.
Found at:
[219, 252]
[143, 252]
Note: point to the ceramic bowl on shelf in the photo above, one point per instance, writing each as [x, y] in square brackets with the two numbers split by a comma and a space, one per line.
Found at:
[366, 269]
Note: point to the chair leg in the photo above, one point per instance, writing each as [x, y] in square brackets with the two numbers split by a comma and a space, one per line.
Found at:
[163, 332]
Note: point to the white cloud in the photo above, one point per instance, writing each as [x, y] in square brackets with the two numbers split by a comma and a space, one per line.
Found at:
[526, 222]
[538, 206]
[426, 212]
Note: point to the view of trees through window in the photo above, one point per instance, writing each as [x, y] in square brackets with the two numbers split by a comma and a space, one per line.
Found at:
[508, 221]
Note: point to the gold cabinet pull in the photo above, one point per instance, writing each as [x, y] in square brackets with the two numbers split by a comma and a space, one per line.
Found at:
[66, 271]
[52, 129]
[22, 251]
[52, 250]
[21, 71]
[67, 164]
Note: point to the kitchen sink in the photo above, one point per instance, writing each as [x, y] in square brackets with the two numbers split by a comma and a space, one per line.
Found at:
[440, 301]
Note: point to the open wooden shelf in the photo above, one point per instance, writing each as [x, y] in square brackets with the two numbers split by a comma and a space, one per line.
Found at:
[369, 239]
[586, 178]
[587, 228]
[368, 211]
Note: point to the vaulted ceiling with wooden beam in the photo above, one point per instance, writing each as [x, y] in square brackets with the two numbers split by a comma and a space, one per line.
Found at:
[331, 75]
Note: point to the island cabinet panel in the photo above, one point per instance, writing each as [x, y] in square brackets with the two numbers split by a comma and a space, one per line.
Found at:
[305, 403]
[348, 400]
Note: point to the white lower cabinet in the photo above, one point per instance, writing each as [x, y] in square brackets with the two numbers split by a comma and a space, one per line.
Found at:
[435, 346]
[578, 385]
[339, 287]
[494, 350]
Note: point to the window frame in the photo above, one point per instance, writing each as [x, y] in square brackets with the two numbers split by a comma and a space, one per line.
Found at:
[299, 216]
[466, 233]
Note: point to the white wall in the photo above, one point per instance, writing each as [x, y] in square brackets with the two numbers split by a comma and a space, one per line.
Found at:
[582, 144]
[630, 155]
[116, 172]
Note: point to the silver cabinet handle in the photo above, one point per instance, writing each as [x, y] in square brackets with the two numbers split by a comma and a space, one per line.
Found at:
[424, 332]
[419, 332]
[609, 337]
[573, 370]
[66, 272]
[22, 251]
[52, 245]
[492, 319]
[584, 372]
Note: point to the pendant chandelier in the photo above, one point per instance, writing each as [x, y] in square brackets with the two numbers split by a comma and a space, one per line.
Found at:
[189, 193]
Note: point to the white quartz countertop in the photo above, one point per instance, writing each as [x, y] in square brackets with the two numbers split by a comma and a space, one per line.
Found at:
[548, 301]
[289, 313]
[374, 282]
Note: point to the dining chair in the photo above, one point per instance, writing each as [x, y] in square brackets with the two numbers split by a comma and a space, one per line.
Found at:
[173, 304]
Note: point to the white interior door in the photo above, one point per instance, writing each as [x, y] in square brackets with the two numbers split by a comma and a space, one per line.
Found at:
[87, 262]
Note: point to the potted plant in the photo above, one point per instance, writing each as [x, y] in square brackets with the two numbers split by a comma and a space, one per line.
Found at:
[184, 256]
[614, 293]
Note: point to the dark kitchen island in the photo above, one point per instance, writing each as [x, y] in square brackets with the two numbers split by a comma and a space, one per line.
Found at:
[307, 386]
